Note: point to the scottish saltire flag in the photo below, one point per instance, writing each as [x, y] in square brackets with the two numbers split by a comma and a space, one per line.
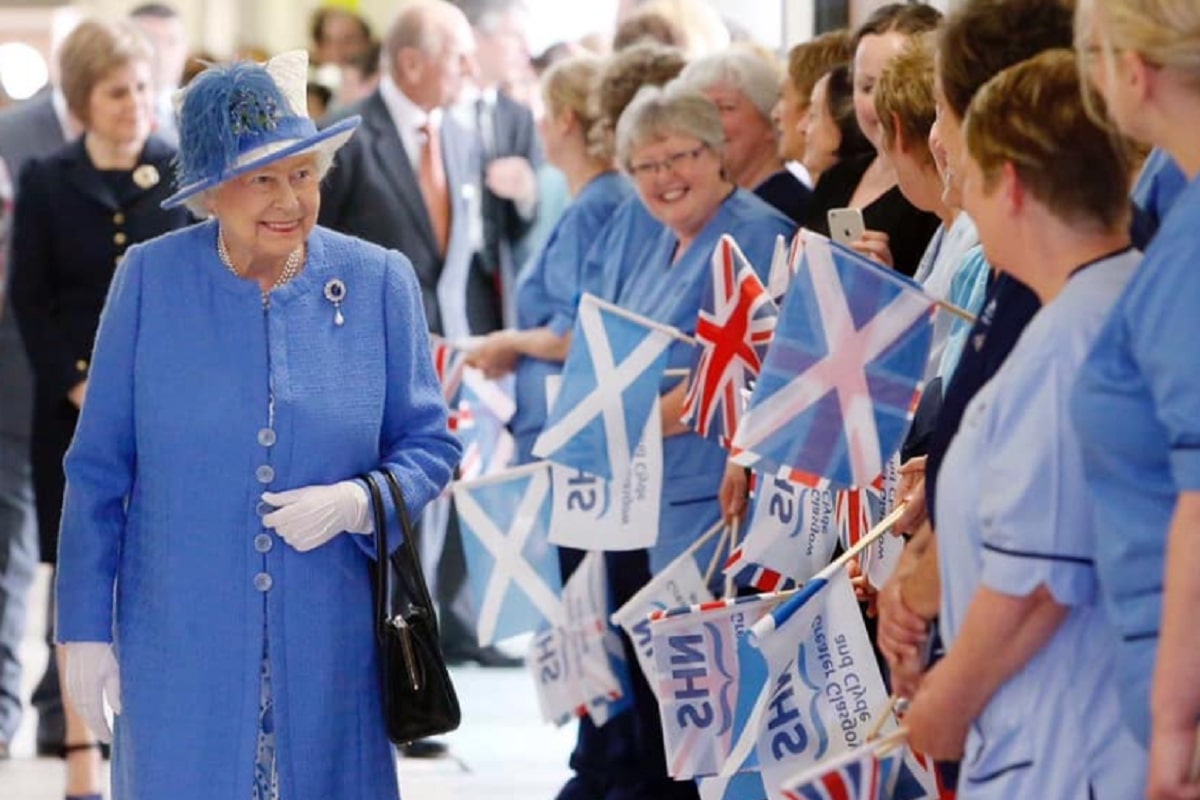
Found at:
[734, 327]
[869, 773]
[701, 683]
[756, 785]
[448, 363]
[790, 536]
[824, 691]
[511, 565]
[784, 264]
[680, 584]
[483, 411]
[571, 661]
[836, 390]
[610, 380]
[591, 513]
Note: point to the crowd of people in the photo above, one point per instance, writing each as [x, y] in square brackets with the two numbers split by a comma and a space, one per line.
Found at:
[218, 310]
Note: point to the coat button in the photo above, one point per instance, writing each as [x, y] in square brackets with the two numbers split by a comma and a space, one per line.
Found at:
[81, 365]
[119, 238]
[263, 508]
[263, 543]
[265, 473]
[263, 582]
[118, 218]
[266, 437]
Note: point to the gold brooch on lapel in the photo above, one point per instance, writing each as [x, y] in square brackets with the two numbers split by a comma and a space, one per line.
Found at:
[146, 176]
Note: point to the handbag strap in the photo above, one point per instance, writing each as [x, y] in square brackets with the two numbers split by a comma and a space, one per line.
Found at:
[382, 589]
[414, 577]
[410, 543]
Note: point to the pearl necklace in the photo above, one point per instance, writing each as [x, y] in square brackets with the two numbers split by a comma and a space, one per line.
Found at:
[290, 267]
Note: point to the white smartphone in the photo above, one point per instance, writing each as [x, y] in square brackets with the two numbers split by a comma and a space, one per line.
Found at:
[845, 225]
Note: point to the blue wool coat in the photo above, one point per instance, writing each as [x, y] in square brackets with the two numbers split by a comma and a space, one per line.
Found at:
[163, 482]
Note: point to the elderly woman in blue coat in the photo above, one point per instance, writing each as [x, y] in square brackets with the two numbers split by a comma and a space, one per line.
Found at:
[214, 578]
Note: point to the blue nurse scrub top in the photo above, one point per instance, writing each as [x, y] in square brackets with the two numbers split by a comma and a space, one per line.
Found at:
[548, 292]
[1015, 514]
[1137, 409]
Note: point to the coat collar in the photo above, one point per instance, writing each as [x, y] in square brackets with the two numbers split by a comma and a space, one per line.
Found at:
[154, 167]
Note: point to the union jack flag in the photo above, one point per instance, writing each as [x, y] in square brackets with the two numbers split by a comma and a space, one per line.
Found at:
[835, 394]
[734, 328]
[448, 362]
[862, 774]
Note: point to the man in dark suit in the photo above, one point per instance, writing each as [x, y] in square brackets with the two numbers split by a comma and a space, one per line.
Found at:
[379, 190]
[31, 129]
[507, 137]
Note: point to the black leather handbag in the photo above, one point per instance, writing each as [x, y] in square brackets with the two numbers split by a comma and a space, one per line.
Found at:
[418, 697]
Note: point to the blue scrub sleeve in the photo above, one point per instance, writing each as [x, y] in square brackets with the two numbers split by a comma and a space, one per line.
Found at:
[1034, 504]
[1164, 328]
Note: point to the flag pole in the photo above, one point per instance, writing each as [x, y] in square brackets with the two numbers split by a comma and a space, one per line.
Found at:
[955, 311]
[691, 551]
[716, 558]
[733, 543]
[884, 715]
[639, 319]
[769, 623]
[890, 742]
[883, 527]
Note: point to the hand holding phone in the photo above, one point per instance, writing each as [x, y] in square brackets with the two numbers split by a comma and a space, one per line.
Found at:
[845, 225]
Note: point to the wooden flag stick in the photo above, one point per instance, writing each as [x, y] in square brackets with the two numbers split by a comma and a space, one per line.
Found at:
[716, 559]
[733, 544]
[955, 311]
[676, 372]
[673, 332]
[883, 527]
[890, 742]
[884, 715]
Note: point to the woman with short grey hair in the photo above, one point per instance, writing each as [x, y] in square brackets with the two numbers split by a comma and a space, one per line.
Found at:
[670, 142]
[744, 87]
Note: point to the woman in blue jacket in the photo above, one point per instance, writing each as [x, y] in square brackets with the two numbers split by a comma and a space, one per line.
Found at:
[1137, 404]
[213, 576]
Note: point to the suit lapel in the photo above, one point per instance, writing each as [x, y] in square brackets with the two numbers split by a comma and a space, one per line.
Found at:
[388, 152]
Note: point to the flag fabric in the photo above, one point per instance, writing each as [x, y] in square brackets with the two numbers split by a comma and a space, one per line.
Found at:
[734, 328]
[591, 513]
[483, 411]
[701, 683]
[835, 394]
[448, 363]
[784, 264]
[919, 779]
[790, 536]
[610, 380]
[571, 660]
[511, 566]
[823, 692]
[883, 555]
[679, 584]
[868, 773]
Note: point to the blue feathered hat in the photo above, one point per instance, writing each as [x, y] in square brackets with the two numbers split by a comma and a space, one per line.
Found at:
[240, 117]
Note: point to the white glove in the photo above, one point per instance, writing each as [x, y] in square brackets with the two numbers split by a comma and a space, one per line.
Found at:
[311, 516]
[92, 673]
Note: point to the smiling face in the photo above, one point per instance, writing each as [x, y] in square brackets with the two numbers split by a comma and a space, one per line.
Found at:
[790, 116]
[120, 107]
[870, 59]
[268, 213]
[684, 195]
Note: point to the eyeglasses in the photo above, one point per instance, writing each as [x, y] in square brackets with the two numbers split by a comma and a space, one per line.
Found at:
[672, 162]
